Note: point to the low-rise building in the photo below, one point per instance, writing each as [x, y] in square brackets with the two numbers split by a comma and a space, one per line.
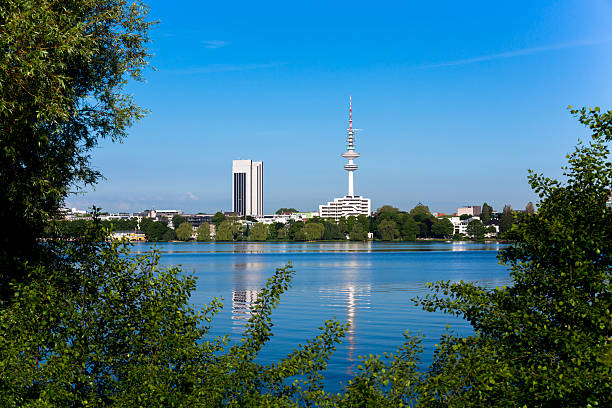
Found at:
[130, 235]
[345, 207]
[473, 210]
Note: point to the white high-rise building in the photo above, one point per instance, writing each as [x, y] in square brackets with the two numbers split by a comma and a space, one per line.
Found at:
[350, 204]
[247, 187]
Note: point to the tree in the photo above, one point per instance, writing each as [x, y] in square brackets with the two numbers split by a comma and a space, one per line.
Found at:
[387, 230]
[485, 214]
[144, 224]
[529, 209]
[358, 233]
[184, 231]
[313, 231]
[420, 208]
[543, 339]
[506, 220]
[294, 228]
[464, 217]
[178, 220]
[286, 210]
[476, 229]
[259, 232]
[442, 228]
[408, 227]
[387, 209]
[364, 220]
[128, 336]
[273, 230]
[168, 235]
[227, 231]
[332, 231]
[155, 231]
[63, 68]
[203, 232]
[218, 218]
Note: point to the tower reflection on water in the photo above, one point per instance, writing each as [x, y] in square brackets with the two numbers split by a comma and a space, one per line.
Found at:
[351, 296]
[345, 297]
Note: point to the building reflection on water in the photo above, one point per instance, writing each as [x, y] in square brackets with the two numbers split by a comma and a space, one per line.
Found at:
[248, 278]
[344, 298]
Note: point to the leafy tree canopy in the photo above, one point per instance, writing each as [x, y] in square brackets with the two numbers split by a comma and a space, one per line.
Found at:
[63, 68]
[178, 220]
[544, 340]
[184, 231]
[485, 215]
[258, 232]
[203, 232]
[442, 228]
[506, 219]
[476, 229]
[218, 218]
[387, 230]
[420, 208]
[286, 210]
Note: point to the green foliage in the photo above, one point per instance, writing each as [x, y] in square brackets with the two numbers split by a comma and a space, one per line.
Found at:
[529, 208]
[259, 232]
[420, 208]
[156, 230]
[358, 233]
[295, 232]
[184, 231]
[506, 219]
[203, 232]
[286, 210]
[273, 230]
[63, 68]
[544, 340]
[408, 227]
[313, 231]
[218, 218]
[476, 229]
[485, 215]
[464, 217]
[389, 381]
[124, 334]
[442, 228]
[228, 230]
[331, 231]
[177, 220]
[387, 230]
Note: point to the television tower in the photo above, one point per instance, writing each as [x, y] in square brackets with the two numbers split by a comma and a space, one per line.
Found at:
[350, 153]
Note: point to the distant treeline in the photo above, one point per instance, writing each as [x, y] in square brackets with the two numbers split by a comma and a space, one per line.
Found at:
[387, 224]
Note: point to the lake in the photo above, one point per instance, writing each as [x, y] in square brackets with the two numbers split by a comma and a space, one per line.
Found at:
[369, 285]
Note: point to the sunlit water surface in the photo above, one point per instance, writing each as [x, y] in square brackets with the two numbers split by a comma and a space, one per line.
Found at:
[369, 285]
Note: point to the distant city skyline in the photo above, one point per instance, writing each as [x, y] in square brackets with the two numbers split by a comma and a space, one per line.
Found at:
[456, 101]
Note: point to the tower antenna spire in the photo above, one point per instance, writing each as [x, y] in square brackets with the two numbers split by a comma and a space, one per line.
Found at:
[350, 112]
[350, 153]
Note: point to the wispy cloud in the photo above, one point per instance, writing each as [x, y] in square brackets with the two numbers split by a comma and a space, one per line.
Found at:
[213, 44]
[517, 53]
[192, 196]
[215, 68]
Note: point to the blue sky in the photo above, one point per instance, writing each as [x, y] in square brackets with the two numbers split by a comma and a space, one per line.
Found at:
[456, 101]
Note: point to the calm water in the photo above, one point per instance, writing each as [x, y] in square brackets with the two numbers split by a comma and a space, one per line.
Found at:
[367, 284]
